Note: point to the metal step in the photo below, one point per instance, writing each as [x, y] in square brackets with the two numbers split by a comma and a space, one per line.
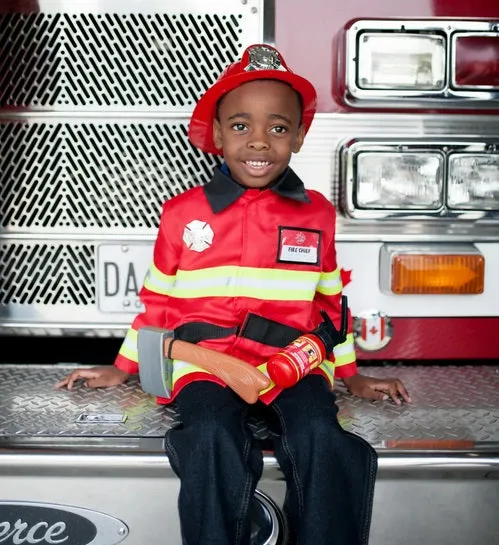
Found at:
[454, 407]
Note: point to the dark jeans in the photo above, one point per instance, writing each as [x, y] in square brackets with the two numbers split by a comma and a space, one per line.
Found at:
[330, 473]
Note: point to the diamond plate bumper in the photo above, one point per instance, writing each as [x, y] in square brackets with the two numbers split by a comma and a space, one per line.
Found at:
[453, 407]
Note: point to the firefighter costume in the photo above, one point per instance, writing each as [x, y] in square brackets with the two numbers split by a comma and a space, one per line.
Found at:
[244, 271]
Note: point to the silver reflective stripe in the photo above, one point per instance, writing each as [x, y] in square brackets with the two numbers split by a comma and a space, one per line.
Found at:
[233, 283]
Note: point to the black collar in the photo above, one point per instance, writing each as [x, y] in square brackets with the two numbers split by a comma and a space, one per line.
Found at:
[222, 190]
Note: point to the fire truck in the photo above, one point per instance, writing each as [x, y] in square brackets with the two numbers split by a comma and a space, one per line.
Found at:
[95, 100]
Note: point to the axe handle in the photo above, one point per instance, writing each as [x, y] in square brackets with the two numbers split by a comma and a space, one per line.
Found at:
[247, 381]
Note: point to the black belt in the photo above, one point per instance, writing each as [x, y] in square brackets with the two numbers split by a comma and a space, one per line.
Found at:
[255, 327]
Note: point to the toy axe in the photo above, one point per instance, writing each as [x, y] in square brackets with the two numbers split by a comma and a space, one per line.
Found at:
[157, 349]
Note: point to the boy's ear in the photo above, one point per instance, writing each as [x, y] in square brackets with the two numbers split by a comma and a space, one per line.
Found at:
[300, 137]
[217, 134]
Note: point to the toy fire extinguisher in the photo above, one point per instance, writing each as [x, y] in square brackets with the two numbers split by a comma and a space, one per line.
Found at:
[308, 351]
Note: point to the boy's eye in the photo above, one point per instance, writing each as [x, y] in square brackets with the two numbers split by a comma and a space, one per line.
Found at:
[239, 126]
[279, 129]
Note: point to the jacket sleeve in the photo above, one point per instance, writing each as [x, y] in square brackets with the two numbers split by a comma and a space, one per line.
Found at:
[153, 294]
[328, 298]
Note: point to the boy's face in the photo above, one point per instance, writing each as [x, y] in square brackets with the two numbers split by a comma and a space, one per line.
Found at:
[258, 128]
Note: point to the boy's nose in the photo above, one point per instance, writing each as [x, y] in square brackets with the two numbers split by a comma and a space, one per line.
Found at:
[258, 142]
[259, 139]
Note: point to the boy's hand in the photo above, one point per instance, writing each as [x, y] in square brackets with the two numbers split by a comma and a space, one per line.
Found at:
[377, 388]
[95, 377]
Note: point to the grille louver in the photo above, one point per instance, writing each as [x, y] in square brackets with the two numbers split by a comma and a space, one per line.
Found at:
[113, 60]
[81, 177]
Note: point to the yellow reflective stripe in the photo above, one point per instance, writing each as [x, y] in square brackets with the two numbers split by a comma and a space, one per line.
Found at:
[344, 353]
[129, 346]
[182, 368]
[328, 367]
[232, 281]
[330, 283]
[158, 282]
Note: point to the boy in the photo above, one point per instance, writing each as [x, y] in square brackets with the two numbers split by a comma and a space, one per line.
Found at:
[243, 265]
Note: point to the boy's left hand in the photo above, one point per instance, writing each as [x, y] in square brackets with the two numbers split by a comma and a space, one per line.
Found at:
[377, 388]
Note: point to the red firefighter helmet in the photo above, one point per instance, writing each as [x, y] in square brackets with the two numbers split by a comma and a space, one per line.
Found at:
[259, 61]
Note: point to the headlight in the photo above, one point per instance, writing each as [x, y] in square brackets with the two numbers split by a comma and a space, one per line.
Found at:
[438, 178]
[418, 64]
[473, 181]
[401, 61]
[399, 180]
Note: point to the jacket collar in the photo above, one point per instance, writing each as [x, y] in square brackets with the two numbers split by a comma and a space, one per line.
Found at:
[222, 190]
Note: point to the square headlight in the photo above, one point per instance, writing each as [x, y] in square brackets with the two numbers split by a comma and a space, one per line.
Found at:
[399, 180]
[473, 181]
[401, 61]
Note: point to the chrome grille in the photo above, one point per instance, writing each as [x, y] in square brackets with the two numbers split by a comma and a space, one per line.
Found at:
[95, 100]
[88, 176]
[113, 60]
[47, 274]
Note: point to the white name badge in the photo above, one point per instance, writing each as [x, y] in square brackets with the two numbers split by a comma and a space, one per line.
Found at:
[299, 245]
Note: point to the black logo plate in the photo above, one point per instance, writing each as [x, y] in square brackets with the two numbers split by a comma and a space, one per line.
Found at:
[33, 523]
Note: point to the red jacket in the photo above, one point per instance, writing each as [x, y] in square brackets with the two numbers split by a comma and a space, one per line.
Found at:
[223, 251]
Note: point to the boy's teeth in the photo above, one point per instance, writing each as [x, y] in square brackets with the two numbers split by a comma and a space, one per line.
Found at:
[257, 163]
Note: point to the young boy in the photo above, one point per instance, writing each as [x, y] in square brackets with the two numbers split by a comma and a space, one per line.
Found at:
[243, 265]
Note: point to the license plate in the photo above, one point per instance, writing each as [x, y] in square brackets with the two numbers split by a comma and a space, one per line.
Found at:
[121, 269]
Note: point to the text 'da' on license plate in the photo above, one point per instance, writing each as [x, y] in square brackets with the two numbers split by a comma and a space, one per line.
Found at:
[121, 269]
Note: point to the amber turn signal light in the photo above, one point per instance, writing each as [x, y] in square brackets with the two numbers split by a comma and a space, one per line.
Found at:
[438, 274]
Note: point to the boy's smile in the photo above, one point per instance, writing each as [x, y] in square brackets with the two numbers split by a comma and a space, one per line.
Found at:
[258, 127]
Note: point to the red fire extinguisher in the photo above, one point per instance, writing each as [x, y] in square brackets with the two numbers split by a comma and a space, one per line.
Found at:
[308, 351]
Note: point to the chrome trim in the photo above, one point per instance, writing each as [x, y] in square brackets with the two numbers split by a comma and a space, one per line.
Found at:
[47, 329]
[347, 162]
[269, 22]
[448, 97]
[389, 251]
[439, 461]
[276, 521]
[16, 458]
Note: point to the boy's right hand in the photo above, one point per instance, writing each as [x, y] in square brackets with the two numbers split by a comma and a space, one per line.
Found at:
[95, 377]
